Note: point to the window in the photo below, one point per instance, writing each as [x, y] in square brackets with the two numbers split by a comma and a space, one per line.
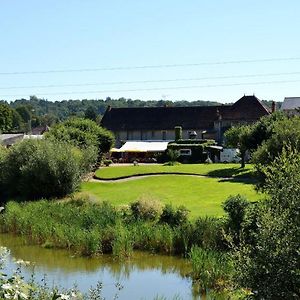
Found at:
[129, 135]
[144, 135]
[185, 152]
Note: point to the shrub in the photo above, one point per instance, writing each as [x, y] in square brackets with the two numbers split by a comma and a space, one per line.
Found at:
[172, 155]
[146, 209]
[173, 216]
[41, 168]
[107, 162]
[235, 207]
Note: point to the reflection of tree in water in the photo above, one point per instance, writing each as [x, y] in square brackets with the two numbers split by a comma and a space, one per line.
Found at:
[66, 262]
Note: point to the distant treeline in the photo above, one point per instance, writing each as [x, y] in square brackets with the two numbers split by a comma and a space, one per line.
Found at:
[55, 111]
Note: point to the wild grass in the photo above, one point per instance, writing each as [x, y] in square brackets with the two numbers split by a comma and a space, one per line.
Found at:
[210, 269]
[92, 229]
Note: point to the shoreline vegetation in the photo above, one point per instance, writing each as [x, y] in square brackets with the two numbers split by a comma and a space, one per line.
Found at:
[92, 229]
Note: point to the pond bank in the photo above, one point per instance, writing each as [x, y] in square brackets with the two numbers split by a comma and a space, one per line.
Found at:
[143, 276]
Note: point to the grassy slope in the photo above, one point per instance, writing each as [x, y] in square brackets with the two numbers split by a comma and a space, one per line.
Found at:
[217, 170]
[203, 196]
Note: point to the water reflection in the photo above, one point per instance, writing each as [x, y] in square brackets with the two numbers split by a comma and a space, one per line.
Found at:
[144, 276]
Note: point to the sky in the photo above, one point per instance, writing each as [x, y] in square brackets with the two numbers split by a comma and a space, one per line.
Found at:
[215, 50]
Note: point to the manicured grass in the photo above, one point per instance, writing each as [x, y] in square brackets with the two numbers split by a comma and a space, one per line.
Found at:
[202, 196]
[215, 170]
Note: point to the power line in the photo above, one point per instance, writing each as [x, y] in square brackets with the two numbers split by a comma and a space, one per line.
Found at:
[119, 68]
[162, 88]
[148, 81]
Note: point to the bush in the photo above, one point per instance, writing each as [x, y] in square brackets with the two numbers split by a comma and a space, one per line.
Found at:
[235, 207]
[172, 155]
[174, 217]
[41, 168]
[207, 233]
[146, 209]
[107, 162]
[83, 133]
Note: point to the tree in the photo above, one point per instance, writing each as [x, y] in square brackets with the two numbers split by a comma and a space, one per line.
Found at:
[284, 132]
[83, 133]
[269, 265]
[238, 137]
[44, 169]
[17, 121]
[24, 112]
[6, 117]
[90, 113]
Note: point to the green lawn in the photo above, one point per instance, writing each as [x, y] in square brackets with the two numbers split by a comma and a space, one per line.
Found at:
[215, 170]
[202, 196]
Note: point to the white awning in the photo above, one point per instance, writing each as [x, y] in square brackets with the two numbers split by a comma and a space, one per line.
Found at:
[139, 146]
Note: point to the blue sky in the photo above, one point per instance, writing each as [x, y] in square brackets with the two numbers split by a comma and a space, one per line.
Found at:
[93, 34]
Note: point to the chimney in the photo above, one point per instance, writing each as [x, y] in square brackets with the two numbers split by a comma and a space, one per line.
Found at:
[108, 108]
[273, 106]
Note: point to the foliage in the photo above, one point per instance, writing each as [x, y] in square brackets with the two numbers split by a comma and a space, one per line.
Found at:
[262, 130]
[3, 154]
[83, 133]
[210, 269]
[207, 233]
[41, 168]
[90, 113]
[107, 162]
[174, 216]
[235, 207]
[62, 110]
[88, 229]
[17, 121]
[269, 263]
[285, 132]
[172, 155]
[146, 209]
[6, 118]
[238, 137]
[24, 112]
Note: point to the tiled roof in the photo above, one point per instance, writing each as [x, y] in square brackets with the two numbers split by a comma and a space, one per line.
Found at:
[290, 103]
[248, 108]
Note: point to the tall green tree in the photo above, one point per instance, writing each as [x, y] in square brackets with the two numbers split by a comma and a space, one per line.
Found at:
[238, 137]
[24, 112]
[43, 169]
[6, 117]
[83, 133]
[284, 132]
[90, 113]
[270, 264]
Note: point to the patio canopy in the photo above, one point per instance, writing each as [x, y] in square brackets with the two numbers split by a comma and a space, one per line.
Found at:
[139, 146]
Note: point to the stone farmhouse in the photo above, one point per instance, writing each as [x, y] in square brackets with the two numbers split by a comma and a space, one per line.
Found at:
[158, 123]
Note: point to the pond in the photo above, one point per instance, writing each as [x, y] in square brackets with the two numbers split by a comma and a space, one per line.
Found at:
[144, 276]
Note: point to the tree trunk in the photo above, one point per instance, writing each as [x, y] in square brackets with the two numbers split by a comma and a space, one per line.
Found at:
[243, 159]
